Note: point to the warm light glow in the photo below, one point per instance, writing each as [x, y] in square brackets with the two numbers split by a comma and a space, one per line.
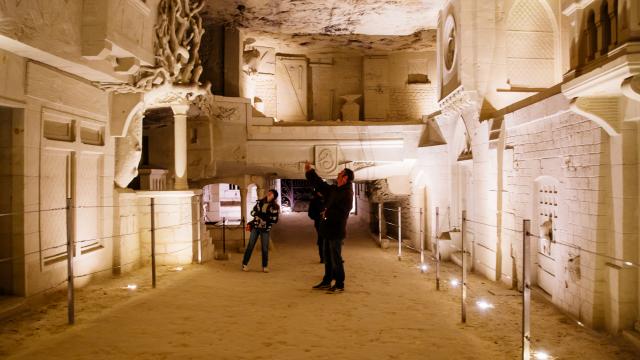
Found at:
[580, 323]
[628, 263]
[178, 268]
[541, 355]
[423, 267]
[131, 287]
[454, 282]
[483, 305]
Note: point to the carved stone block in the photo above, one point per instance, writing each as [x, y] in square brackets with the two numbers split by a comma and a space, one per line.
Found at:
[326, 158]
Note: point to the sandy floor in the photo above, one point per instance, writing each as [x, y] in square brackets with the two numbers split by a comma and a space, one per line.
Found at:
[215, 311]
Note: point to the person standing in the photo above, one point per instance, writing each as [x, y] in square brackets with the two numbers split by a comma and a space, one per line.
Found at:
[333, 227]
[265, 213]
[316, 206]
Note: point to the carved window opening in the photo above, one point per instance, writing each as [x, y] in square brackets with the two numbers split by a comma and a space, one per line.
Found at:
[605, 26]
[592, 36]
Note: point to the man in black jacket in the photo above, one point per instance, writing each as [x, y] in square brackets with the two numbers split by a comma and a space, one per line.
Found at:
[333, 228]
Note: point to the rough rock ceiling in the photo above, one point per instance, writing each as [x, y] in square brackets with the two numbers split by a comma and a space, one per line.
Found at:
[424, 40]
[360, 24]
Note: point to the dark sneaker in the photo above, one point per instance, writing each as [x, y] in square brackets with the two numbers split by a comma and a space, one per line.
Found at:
[335, 290]
[322, 286]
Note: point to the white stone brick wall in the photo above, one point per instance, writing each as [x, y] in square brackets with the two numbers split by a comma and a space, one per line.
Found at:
[411, 102]
[174, 231]
[575, 151]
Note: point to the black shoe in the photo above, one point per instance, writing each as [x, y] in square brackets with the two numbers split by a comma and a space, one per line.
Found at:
[322, 286]
[335, 290]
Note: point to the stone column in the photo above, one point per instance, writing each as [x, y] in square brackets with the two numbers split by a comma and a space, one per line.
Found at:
[243, 202]
[180, 146]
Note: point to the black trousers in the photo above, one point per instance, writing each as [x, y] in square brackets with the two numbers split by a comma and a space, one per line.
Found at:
[320, 242]
[333, 266]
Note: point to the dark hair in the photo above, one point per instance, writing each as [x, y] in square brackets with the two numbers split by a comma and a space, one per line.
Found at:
[349, 174]
[275, 193]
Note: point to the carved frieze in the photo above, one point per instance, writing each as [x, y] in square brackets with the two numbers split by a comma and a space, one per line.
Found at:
[359, 165]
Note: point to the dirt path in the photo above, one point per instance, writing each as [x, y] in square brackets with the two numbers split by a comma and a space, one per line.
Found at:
[215, 311]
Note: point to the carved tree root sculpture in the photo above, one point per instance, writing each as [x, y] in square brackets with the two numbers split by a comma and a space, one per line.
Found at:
[178, 36]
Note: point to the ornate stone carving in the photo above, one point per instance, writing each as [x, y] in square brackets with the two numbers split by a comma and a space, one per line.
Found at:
[326, 159]
[225, 114]
[359, 165]
[178, 34]
[128, 152]
[168, 95]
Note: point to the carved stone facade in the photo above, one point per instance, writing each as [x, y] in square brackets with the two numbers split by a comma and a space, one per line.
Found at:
[507, 121]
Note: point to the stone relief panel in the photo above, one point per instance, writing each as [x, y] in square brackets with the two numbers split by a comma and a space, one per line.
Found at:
[229, 112]
[326, 158]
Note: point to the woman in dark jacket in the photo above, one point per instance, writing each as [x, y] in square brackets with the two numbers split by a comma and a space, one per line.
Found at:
[265, 214]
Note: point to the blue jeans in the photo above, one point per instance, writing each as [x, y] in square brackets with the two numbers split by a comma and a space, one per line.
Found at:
[264, 240]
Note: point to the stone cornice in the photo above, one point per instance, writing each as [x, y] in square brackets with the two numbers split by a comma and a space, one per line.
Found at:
[604, 81]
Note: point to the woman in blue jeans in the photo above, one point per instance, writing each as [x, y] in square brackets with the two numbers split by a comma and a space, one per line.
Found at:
[265, 214]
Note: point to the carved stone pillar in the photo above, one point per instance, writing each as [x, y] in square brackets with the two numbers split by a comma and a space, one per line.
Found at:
[243, 202]
[180, 146]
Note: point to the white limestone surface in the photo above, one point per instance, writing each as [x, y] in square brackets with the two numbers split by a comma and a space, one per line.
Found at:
[370, 17]
[215, 311]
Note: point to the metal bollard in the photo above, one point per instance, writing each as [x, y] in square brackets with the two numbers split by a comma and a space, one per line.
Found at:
[380, 224]
[437, 248]
[463, 298]
[153, 244]
[526, 291]
[399, 233]
[422, 264]
[224, 235]
[244, 233]
[199, 235]
[70, 289]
